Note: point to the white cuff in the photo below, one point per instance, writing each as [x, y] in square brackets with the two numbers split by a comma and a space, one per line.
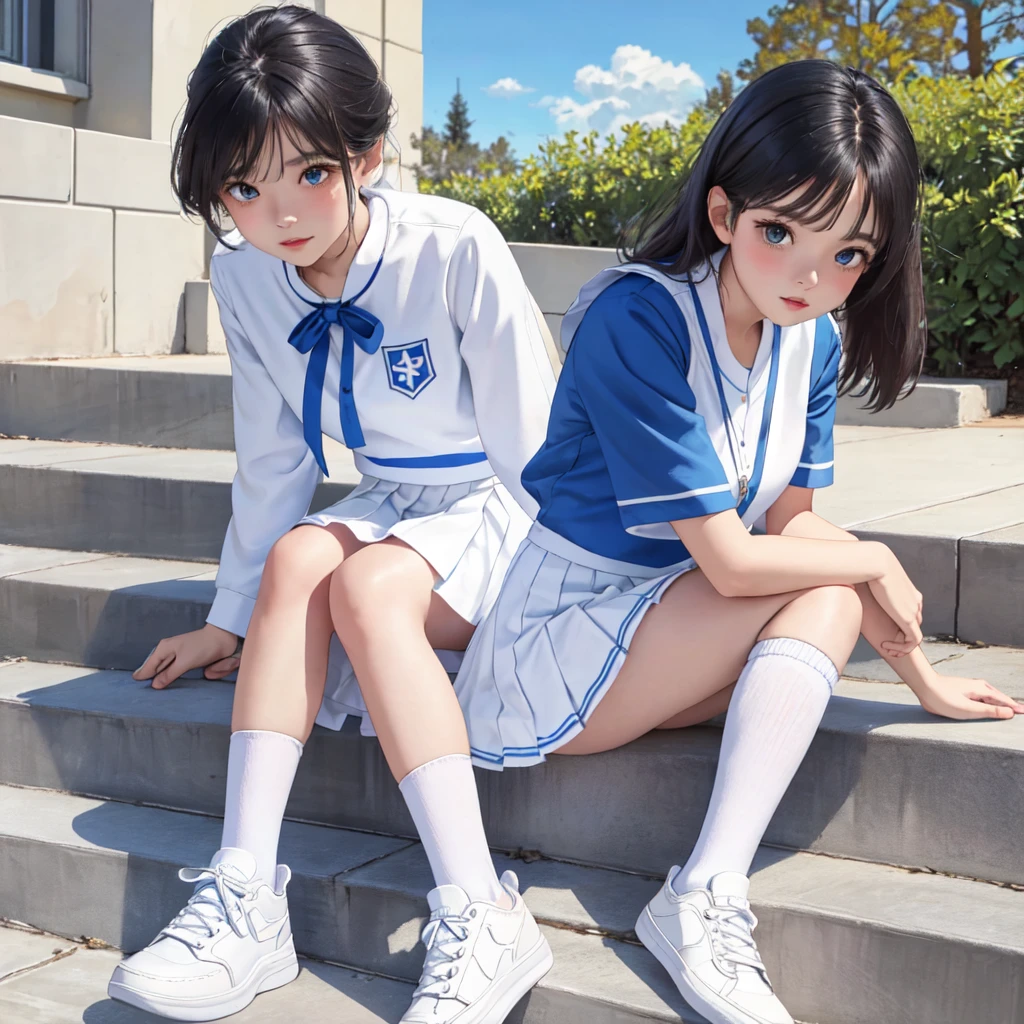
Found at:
[231, 611]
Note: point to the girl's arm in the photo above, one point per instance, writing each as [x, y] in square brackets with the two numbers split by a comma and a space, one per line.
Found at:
[503, 349]
[950, 696]
[741, 565]
[276, 476]
[792, 516]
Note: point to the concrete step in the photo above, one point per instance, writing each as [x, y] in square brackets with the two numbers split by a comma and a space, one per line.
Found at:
[883, 781]
[935, 402]
[160, 502]
[844, 941]
[184, 401]
[73, 990]
[959, 532]
[951, 506]
[179, 401]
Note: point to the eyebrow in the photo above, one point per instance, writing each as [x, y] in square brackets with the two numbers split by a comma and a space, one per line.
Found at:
[305, 158]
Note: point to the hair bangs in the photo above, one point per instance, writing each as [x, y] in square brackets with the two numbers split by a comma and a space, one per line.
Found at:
[276, 73]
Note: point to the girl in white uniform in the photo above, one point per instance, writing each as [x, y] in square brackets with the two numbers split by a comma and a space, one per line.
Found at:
[398, 325]
[697, 400]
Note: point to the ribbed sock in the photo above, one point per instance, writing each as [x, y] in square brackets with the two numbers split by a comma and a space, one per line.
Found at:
[261, 769]
[442, 798]
[774, 713]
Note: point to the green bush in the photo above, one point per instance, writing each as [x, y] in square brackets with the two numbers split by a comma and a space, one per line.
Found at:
[970, 133]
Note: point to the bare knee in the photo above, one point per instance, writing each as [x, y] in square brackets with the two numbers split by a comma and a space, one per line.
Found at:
[298, 563]
[377, 591]
[828, 618]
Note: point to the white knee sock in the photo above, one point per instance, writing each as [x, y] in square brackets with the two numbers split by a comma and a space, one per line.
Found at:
[442, 798]
[773, 715]
[261, 769]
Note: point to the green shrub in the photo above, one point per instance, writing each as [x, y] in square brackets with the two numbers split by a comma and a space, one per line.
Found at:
[970, 133]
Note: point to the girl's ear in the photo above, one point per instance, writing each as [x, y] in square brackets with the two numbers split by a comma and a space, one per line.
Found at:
[367, 164]
[718, 214]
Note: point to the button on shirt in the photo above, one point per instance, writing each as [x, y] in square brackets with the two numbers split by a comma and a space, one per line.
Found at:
[637, 438]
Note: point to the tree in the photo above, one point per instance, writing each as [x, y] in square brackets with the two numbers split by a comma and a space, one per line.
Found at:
[720, 95]
[454, 152]
[891, 39]
[457, 124]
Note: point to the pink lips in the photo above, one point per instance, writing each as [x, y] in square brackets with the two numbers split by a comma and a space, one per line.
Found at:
[795, 304]
[296, 243]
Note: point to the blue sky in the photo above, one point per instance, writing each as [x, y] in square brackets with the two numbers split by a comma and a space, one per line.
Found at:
[542, 44]
[651, 58]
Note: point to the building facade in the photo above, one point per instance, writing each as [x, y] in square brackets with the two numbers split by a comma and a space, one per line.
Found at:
[95, 256]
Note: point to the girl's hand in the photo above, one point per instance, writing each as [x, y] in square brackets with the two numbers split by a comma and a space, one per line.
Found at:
[902, 602]
[210, 646]
[956, 697]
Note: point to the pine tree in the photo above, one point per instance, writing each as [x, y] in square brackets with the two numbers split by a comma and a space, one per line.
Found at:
[457, 124]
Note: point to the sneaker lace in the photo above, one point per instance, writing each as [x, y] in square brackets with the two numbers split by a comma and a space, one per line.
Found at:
[732, 935]
[444, 936]
[217, 899]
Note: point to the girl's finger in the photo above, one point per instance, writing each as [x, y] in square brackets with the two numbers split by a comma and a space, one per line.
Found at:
[222, 668]
[168, 675]
[997, 698]
[157, 659]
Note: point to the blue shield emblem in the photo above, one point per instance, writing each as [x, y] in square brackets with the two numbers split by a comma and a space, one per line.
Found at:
[410, 369]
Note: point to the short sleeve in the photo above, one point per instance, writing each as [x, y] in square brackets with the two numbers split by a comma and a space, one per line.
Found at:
[816, 460]
[629, 357]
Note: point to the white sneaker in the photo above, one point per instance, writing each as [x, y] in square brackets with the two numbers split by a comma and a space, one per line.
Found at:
[703, 938]
[232, 941]
[481, 960]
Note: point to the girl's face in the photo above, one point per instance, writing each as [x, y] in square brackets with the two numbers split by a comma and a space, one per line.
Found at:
[295, 206]
[789, 271]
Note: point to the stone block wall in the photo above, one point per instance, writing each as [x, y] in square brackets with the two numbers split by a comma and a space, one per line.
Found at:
[555, 273]
[94, 254]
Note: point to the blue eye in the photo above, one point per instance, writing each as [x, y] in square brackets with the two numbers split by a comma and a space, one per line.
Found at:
[242, 192]
[314, 175]
[775, 234]
[850, 258]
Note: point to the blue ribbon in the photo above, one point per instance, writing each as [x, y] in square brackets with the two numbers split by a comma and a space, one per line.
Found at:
[312, 335]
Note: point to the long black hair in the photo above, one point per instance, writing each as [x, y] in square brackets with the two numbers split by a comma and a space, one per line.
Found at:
[278, 71]
[815, 124]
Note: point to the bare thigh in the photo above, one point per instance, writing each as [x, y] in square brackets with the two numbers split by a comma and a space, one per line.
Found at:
[690, 648]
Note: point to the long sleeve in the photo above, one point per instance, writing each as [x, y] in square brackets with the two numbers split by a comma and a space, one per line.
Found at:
[503, 348]
[274, 482]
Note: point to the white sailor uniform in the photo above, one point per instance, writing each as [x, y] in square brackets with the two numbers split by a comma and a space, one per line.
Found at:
[650, 410]
[431, 367]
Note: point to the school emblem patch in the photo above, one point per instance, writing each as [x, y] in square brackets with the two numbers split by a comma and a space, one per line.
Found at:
[410, 368]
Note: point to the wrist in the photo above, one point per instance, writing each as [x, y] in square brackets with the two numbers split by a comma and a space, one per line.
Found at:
[880, 559]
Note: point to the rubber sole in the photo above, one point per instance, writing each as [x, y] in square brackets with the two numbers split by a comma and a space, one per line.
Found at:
[269, 973]
[500, 1001]
[666, 954]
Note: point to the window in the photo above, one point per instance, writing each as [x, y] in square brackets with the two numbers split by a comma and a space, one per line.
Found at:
[50, 35]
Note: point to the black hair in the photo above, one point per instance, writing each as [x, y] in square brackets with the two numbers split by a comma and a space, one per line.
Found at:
[276, 71]
[813, 123]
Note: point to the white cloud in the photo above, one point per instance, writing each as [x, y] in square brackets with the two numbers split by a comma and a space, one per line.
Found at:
[637, 87]
[506, 88]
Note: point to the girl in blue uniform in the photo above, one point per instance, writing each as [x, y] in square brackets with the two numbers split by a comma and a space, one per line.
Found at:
[398, 324]
[697, 401]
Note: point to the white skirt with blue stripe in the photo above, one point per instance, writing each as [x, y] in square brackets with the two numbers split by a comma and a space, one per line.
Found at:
[551, 647]
[468, 532]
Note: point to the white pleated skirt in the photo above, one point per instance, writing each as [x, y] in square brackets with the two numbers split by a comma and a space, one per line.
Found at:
[469, 532]
[550, 648]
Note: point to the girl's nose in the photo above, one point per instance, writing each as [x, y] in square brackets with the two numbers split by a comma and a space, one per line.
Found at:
[808, 279]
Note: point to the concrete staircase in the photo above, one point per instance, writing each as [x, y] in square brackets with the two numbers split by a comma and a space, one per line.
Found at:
[889, 890]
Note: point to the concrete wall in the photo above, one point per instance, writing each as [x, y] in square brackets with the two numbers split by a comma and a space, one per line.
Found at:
[93, 253]
[555, 273]
[143, 50]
